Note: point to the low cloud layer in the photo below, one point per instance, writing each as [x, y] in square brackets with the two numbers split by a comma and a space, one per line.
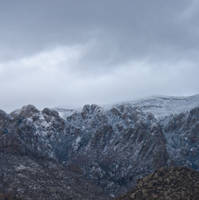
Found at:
[69, 53]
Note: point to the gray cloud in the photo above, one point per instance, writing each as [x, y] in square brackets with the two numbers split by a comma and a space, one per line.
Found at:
[70, 53]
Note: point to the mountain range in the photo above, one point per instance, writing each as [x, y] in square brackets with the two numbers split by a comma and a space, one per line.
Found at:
[97, 152]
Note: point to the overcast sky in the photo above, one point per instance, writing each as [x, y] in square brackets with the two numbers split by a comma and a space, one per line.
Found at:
[73, 52]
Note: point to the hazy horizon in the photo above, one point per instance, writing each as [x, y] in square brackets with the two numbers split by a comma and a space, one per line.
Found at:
[105, 105]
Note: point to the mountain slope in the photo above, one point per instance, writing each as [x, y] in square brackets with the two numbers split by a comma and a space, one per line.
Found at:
[28, 178]
[173, 183]
[28, 165]
[110, 147]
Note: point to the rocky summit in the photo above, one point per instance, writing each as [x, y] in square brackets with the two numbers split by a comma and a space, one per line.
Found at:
[97, 152]
[176, 183]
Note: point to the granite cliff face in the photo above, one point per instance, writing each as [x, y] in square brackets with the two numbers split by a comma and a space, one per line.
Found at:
[103, 150]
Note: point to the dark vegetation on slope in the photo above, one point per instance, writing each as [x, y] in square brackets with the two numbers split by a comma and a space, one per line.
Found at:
[176, 183]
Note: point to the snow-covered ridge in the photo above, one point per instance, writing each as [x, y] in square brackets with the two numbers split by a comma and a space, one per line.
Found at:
[159, 106]
[166, 105]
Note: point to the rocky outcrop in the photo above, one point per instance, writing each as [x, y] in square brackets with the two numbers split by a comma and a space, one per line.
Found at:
[109, 147]
[29, 168]
[181, 132]
[115, 147]
[176, 183]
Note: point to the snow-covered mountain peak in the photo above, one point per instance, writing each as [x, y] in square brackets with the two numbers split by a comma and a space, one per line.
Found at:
[159, 106]
[162, 106]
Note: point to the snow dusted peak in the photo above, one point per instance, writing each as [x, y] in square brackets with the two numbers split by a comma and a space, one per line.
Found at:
[50, 112]
[87, 109]
[162, 106]
[90, 109]
[159, 106]
[25, 111]
[65, 112]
